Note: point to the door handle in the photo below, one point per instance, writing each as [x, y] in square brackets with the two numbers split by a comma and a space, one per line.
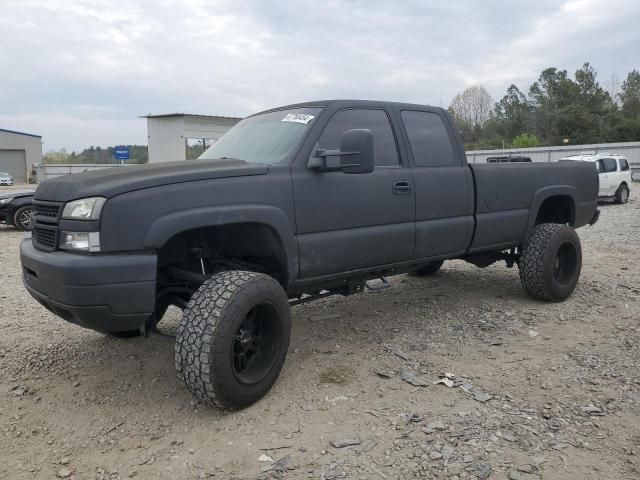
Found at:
[401, 188]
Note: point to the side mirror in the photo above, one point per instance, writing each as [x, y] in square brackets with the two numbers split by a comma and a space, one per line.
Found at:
[356, 147]
[355, 154]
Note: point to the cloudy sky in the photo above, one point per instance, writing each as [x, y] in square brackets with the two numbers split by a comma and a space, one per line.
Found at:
[81, 72]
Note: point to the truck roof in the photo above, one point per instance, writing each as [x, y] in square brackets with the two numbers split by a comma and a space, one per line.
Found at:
[353, 102]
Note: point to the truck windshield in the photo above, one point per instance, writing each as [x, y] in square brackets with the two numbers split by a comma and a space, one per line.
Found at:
[267, 139]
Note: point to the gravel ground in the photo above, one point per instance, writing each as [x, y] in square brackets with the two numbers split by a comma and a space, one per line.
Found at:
[537, 390]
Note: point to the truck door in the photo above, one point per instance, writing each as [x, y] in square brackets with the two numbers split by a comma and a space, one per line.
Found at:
[608, 176]
[354, 221]
[444, 186]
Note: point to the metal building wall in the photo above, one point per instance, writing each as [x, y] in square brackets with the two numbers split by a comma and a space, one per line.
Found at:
[168, 134]
[165, 139]
[31, 144]
[204, 127]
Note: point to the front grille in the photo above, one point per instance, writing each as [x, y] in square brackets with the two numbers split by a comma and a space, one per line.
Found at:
[45, 224]
[46, 210]
[45, 237]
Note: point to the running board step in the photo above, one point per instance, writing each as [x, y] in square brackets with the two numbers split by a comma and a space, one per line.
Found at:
[378, 284]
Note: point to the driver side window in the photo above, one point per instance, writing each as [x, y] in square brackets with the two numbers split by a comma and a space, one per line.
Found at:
[385, 152]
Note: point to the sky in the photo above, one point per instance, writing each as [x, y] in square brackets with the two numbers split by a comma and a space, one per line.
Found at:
[82, 72]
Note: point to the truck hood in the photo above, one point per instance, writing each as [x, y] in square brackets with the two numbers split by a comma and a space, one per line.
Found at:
[113, 181]
[16, 194]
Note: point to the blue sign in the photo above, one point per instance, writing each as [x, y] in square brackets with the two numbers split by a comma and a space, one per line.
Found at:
[121, 153]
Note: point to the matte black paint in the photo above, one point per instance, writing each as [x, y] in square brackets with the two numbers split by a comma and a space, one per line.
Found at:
[333, 227]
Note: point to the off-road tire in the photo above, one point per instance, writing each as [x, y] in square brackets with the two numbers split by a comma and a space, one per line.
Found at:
[17, 218]
[622, 194]
[551, 262]
[208, 334]
[428, 269]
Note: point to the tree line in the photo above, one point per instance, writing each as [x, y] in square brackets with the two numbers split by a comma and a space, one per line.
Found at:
[137, 154]
[556, 110]
[93, 155]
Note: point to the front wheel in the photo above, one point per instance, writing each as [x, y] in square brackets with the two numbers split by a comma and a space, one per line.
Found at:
[233, 338]
[622, 194]
[22, 218]
[551, 262]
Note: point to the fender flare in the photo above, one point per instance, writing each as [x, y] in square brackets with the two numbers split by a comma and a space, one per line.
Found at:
[540, 196]
[167, 226]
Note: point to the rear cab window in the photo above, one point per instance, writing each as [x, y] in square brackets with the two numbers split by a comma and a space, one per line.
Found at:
[429, 140]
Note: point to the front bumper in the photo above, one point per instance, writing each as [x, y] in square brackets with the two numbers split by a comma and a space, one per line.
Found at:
[105, 292]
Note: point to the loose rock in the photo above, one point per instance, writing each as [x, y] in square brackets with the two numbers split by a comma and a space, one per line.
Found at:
[410, 377]
[346, 442]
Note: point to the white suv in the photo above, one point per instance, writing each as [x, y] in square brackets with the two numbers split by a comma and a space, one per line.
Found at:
[614, 174]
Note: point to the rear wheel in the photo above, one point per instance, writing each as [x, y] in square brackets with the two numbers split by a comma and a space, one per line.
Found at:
[551, 262]
[622, 194]
[233, 338]
[428, 269]
[22, 218]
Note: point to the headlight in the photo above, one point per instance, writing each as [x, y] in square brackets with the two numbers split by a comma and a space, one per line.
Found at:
[84, 209]
[83, 241]
[4, 201]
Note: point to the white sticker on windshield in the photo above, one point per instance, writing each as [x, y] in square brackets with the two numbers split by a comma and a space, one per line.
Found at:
[298, 118]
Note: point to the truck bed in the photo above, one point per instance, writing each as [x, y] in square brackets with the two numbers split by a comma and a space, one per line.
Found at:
[507, 193]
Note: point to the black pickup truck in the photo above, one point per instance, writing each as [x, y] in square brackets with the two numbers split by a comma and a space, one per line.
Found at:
[291, 205]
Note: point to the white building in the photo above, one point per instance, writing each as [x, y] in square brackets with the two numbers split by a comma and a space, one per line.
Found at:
[18, 153]
[170, 135]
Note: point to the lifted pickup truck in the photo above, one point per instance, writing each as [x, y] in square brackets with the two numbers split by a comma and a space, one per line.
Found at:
[291, 205]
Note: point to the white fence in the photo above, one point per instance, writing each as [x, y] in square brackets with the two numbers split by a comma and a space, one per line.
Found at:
[52, 170]
[630, 150]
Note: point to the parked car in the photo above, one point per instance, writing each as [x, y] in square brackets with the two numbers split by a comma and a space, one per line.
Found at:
[509, 158]
[614, 174]
[291, 205]
[15, 210]
[6, 179]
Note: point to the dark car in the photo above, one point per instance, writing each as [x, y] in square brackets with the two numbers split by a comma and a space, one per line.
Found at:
[15, 210]
[291, 205]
